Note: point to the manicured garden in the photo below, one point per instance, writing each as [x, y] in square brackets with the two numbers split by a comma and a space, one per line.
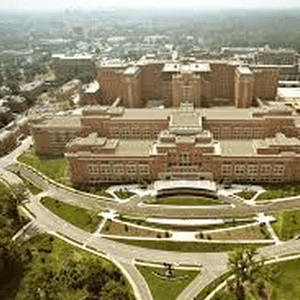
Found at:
[246, 194]
[164, 289]
[56, 168]
[254, 232]
[124, 194]
[287, 224]
[188, 201]
[116, 228]
[80, 217]
[183, 246]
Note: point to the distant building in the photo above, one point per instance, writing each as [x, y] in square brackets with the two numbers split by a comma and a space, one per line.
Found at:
[78, 64]
[91, 93]
[205, 83]
[68, 90]
[33, 89]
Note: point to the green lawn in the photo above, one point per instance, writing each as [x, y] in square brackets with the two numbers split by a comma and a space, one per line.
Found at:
[56, 168]
[246, 194]
[188, 201]
[182, 246]
[163, 289]
[286, 285]
[287, 225]
[31, 187]
[280, 191]
[77, 216]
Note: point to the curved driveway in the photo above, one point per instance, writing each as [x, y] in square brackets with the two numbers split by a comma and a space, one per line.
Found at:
[213, 264]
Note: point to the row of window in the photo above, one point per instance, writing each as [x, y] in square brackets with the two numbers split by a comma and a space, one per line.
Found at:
[124, 133]
[238, 132]
[119, 169]
[253, 169]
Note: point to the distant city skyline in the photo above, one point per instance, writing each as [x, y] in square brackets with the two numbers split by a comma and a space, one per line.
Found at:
[59, 5]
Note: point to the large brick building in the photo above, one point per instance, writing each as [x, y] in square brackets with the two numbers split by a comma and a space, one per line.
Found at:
[115, 144]
[204, 83]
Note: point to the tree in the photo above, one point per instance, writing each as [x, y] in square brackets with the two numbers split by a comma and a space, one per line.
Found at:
[1, 78]
[14, 86]
[242, 263]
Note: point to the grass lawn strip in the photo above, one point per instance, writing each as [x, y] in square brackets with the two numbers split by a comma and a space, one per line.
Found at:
[184, 246]
[31, 187]
[188, 201]
[77, 216]
[280, 191]
[163, 289]
[116, 228]
[287, 225]
[285, 286]
[56, 168]
[254, 232]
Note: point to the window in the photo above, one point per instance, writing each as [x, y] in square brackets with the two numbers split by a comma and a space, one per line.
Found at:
[226, 169]
[216, 132]
[278, 169]
[239, 169]
[257, 133]
[247, 133]
[118, 169]
[114, 132]
[93, 169]
[184, 159]
[124, 133]
[236, 133]
[135, 131]
[265, 169]
[226, 132]
[105, 169]
[252, 170]
[144, 169]
[131, 169]
[147, 134]
[186, 93]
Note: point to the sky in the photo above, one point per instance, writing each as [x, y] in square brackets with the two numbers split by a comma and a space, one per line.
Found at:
[49, 5]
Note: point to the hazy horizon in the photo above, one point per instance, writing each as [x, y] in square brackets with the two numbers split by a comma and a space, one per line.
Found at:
[61, 5]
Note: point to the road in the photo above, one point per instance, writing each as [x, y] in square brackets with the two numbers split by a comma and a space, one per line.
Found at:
[212, 264]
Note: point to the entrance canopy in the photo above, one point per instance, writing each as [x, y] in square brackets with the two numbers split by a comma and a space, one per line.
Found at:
[194, 187]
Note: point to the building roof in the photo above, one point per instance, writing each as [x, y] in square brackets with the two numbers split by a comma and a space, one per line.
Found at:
[91, 87]
[280, 140]
[144, 114]
[133, 148]
[131, 70]
[177, 184]
[237, 147]
[245, 71]
[93, 140]
[228, 113]
[62, 121]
